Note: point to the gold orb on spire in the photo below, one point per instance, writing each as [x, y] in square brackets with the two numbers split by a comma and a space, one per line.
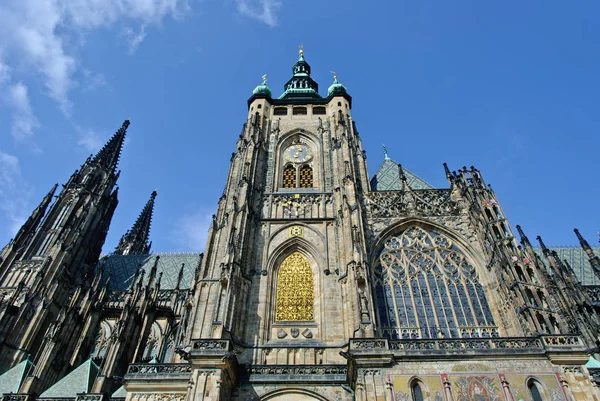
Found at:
[335, 77]
[301, 51]
[264, 78]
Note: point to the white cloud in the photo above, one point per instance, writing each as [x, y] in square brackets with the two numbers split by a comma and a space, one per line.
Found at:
[14, 193]
[89, 139]
[93, 80]
[24, 122]
[39, 38]
[134, 39]
[191, 231]
[262, 10]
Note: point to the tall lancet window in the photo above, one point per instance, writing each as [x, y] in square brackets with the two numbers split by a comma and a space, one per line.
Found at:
[426, 288]
[295, 290]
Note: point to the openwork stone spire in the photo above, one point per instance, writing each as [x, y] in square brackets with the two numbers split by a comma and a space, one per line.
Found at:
[108, 156]
[32, 222]
[135, 241]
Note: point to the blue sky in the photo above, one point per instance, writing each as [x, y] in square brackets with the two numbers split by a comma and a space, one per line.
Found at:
[509, 87]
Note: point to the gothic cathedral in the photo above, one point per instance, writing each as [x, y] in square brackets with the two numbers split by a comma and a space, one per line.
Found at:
[317, 283]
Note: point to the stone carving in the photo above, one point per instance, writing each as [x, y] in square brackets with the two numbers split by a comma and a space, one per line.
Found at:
[281, 334]
[158, 396]
[210, 344]
[295, 332]
[426, 202]
[159, 368]
[307, 333]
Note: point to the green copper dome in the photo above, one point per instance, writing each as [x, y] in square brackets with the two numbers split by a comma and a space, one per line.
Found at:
[262, 88]
[301, 86]
[336, 87]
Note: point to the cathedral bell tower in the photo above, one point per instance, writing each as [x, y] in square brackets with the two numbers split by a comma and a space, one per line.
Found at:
[284, 267]
[55, 252]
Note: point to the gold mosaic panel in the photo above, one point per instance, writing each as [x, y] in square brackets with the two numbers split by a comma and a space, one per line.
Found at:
[295, 290]
[289, 177]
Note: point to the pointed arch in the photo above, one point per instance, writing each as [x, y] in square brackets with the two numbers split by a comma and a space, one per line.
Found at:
[295, 290]
[292, 394]
[427, 286]
[152, 343]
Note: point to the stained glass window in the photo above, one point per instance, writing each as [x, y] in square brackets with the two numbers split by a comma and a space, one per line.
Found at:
[289, 177]
[295, 291]
[426, 288]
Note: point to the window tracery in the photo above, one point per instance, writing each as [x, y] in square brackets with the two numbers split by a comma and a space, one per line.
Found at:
[101, 342]
[426, 288]
[295, 290]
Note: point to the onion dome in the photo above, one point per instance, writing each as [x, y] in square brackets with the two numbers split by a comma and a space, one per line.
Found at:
[262, 88]
[336, 88]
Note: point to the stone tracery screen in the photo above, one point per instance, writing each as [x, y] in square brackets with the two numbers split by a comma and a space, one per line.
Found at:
[295, 290]
[426, 288]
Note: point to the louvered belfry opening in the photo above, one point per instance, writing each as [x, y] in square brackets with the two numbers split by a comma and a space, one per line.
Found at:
[306, 177]
[289, 177]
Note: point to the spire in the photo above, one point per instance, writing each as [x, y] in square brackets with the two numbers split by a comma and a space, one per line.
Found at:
[32, 222]
[336, 87]
[593, 258]
[301, 85]
[135, 241]
[108, 156]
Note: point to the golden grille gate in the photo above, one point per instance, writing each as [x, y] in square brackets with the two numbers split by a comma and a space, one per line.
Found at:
[295, 290]
[289, 177]
[306, 177]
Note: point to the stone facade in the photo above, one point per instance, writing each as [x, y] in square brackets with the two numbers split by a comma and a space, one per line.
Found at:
[314, 284]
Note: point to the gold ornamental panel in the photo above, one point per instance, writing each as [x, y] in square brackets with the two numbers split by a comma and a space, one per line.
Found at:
[295, 290]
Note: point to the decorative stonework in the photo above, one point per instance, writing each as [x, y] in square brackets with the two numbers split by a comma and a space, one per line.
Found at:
[158, 396]
[296, 231]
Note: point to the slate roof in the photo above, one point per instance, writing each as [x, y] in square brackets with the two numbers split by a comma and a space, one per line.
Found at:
[10, 381]
[120, 393]
[387, 178]
[579, 262]
[78, 381]
[122, 268]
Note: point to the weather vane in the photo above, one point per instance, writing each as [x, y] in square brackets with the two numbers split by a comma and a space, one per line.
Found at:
[301, 49]
[334, 75]
[385, 154]
[264, 78]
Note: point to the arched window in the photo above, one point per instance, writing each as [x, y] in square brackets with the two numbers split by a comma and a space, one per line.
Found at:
[426, 288]
[417, 392]
[306, 177]
[295, 290]
[536, 390]
[101, 342]
[153, 343]
[289, 176]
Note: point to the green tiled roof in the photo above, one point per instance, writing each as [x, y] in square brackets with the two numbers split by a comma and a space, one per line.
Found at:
[579, 262]
[387, 178]
[78, 381]
[120, 393]
[10, 381]
[122, 268]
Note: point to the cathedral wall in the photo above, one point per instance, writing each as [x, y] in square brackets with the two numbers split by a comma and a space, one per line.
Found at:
[290, 392]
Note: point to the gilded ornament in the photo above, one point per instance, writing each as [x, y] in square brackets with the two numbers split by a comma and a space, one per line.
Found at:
[295, 290]
[296, 231]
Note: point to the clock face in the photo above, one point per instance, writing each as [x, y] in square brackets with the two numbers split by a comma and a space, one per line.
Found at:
[299, 153]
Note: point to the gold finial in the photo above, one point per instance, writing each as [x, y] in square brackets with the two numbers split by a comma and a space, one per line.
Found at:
[334, 75]
[264, 78]
[301, 50]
